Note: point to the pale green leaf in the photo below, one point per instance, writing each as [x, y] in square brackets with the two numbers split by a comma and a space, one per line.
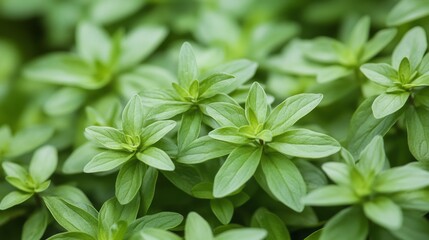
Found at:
[43, 163]
[196, 228]
[331, 195]
[14, 198]
[107, 161]
[203, 149]
[187, 69]
[238, 168]
[352, 222]
[132, 116]
[412, 46]
[284, 180]
[107, 137]
[223, 209]
[384, 212]
[275, 227]
[128, 181]
[156, 158]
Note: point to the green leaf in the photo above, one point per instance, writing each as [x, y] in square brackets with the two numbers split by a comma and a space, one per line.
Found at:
[65, 101]
[352, 223]
[189, 129]
[238, 168]
[315, 235]
[284, 180]
[229, 134]
[203, 190]
[412, 46]
[112, 212]
[269, 221]
[287, 113]
[227, 114]
[332, 73]
[14, 198]
[71, 236]
[128, 181]
[404, 178]
[359, 35]
[380, 40]
[93, 43]
[155, 131]
[203, 149]
[43, 163]
[64, 69]
[338, 172]
[196, 228]
[373, 157]
[364, 127]
[388, 103]
[132, 116]
[29, 139]
[107, 161]
[35, 226]
[70, 216]
[241, 69]
[384, 212]
[156, 234]
[305, 143]
[215, 84]
[161, 220]
[22, 184]
[331, 195]
[327, 50]
[108, 137]
[79, 158]
[15, 170]
[257, 102]
[223, 209]
[414, 227]
[156, 158]
[407, 11]
[380, 73]
[148, 188]
[417, 122]
[187, 69]
[245, 233]
[140, 43]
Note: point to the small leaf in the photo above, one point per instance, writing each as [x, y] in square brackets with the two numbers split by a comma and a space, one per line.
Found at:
[148, 188]
[71, 217]
[155, 131]
[203, 149]
[331, 195]
[156, 234]
[287, 113]
[269, 221]
[189, 129]
[132, 116]
[107, 161]
[417, 123]
[305, 143]
[338, 172]
[156, 158]
[71, 236]
[14, 198]
[388, 103]
[407, 11]
[332, 73]
[196, 228]
[215, 84]
[352, 222]
[359, 34]
[412, 46]
[15, 170]
[112, 212]
[238, 168]
[380, 73]
[384, 212]
[404, 178]
[110, 138]
[43, 163]
[257, 102]
[244, 233]
[222, 209]
[229, 134]
[65, 101]
[373, 157]
[227, 114]
[188, 69]
[128, 181]
[93, 43]
[35, 226]
[284, 180]
[161, 220]
[380, 40]
[79, 158]
[29, 139]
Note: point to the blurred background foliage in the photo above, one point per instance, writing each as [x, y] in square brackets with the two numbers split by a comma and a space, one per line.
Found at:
[277, 34]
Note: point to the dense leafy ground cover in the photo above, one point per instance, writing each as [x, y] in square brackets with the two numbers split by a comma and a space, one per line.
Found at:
[226, 120]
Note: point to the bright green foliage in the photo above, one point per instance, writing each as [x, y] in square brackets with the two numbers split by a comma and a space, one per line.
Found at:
[258, 134]
[276, 120]
[130, 149]
[372, 188]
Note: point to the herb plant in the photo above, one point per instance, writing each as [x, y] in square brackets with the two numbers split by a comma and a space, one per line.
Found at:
[217, 120]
